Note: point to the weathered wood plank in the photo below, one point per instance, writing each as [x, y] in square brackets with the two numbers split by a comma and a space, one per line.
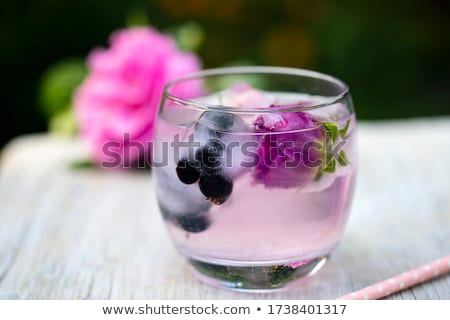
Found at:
[89, 234]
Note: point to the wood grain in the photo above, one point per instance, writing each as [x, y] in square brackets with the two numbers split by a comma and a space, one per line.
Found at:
[92, 234]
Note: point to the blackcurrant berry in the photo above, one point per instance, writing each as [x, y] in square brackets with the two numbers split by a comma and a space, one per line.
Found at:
[212, 124]
[188, 171]
[210, 155]
[215, 187]
[193, 223]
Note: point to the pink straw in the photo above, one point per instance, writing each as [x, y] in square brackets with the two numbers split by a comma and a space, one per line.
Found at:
[402, 281]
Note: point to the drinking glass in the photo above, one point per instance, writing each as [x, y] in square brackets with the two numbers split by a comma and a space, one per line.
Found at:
[255, 170]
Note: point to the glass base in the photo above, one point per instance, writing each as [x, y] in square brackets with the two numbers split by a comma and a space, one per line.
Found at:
[256, 278]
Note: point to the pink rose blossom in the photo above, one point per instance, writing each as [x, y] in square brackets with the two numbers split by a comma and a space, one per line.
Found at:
[121, 95]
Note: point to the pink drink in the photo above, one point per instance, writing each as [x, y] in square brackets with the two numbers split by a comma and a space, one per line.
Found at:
[270, 227]
[255, 220]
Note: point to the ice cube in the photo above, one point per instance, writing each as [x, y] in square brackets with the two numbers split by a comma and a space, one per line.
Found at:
[176, 198]
[232, 133]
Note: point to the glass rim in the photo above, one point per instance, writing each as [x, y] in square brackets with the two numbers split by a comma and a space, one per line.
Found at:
[257, 70]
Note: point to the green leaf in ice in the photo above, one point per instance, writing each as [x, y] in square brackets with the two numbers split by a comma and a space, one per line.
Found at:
[333, 135]
[319, 174]
[331, 166]
[343, 131]
[342, 159]
[332, 129]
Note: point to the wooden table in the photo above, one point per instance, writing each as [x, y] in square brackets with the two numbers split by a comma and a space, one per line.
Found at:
[92, 234]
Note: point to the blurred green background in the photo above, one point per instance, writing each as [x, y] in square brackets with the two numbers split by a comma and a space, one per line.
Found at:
[393, 54]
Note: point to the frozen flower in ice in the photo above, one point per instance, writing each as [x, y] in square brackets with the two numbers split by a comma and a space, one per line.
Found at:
[289, 148]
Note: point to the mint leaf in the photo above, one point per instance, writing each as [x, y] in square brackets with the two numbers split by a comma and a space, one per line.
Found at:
[332, 129]
[331, 166]
[342, 159]
[333, 132]
[343, 131]
[318, 175]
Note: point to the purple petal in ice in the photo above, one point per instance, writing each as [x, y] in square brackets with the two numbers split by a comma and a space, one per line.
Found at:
[288, 146]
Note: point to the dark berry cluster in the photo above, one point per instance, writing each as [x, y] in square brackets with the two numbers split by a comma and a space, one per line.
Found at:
[206, 168]
[207, 165]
